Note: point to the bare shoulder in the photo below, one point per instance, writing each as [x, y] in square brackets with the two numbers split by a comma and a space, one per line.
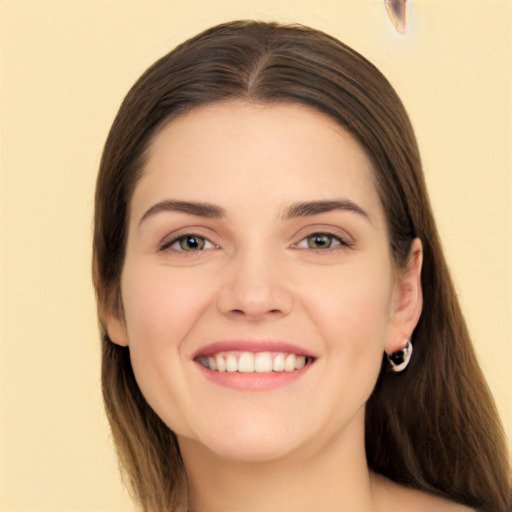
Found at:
[394, 497]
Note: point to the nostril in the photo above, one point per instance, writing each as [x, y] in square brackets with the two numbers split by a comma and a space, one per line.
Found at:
[255, 314]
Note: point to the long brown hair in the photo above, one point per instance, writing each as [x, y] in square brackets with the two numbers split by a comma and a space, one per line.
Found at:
[435, 427]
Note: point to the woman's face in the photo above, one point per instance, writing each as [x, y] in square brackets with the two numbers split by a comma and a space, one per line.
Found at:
[257, 239]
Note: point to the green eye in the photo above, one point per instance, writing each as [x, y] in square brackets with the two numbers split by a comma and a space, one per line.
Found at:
[191, 243]
[320, 241]
[188, 243]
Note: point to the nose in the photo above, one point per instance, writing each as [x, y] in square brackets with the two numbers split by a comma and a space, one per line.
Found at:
[254, 288]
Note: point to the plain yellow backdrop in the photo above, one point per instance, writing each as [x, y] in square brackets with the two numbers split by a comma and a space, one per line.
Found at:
[65, 67]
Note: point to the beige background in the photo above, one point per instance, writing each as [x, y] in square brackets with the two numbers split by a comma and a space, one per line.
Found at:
[66, 65]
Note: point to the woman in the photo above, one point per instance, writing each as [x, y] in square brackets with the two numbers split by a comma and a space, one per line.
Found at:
[266, 262]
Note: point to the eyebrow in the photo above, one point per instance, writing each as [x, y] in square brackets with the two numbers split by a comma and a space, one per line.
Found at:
[199, 209]
[305, 209]
[295, 210]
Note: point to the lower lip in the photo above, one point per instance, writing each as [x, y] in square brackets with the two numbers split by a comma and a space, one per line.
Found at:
[253, 381]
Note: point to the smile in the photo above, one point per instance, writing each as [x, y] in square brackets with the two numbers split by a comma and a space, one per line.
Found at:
[254, 362]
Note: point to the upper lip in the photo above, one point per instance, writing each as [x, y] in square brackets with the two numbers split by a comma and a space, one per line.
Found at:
[253, 345]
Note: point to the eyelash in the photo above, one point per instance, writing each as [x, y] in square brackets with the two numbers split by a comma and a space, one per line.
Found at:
[343, 243]
[167, 246]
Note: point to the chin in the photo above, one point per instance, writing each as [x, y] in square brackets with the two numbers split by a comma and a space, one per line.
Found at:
[250, 450]
[249, 441]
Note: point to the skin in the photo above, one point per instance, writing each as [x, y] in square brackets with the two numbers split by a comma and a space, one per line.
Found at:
[301, 446]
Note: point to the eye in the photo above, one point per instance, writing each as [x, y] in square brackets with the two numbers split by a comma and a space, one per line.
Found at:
[188, 243]
[321, 241]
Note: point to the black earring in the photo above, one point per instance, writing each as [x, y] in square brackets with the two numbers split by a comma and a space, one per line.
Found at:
[400, 359]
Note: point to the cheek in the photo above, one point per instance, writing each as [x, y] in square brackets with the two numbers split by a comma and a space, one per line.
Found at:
[160, 306]
[159, 313]
[351, 316]
[354, 300]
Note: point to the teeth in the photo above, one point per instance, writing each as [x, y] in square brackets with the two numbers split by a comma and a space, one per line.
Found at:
[221, 364]
[249, 362]
[231, 363]
[300, 362]
[278, 365]
[246, 363]
[289, 363]
[263, 362]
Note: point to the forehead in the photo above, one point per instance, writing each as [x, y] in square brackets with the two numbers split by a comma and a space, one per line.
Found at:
[272, 153]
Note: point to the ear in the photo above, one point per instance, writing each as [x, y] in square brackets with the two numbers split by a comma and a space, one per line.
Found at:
[115, 323]
[406, 300]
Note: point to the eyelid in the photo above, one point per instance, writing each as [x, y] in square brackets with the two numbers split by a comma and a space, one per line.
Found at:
[342, 242]
[344, 239]
[339, 234]
[167, 243]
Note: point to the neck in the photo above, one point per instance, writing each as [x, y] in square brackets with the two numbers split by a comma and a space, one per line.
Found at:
[334, 476]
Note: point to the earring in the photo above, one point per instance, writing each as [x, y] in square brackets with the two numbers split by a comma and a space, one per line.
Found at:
[400, 359]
